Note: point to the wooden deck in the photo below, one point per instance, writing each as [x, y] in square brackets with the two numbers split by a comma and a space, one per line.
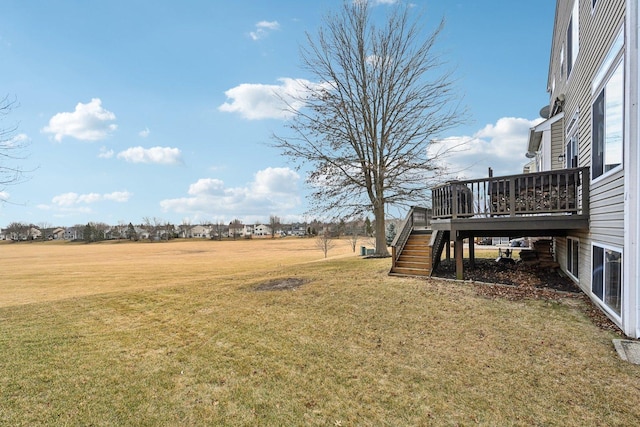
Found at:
[552, 203]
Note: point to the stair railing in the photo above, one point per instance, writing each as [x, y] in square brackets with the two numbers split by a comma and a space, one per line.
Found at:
[417, 217]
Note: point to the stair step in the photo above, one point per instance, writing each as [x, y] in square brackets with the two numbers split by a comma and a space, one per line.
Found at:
[410, 271]
[417, 256]
[412, 266]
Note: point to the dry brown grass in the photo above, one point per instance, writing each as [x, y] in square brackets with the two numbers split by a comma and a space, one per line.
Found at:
[37, 272]
[351, 346]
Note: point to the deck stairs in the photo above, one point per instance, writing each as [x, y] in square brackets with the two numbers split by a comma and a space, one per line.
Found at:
[415, 258]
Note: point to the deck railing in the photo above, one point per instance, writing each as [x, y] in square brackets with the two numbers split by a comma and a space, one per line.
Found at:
[559, 192]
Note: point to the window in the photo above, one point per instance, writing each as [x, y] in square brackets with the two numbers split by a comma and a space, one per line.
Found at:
[606, 282]
[571, 153]
[607, 125]
[573, 253]
[573, 39]
[571, 147]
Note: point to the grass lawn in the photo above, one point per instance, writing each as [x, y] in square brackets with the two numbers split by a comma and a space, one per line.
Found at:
[177, 334]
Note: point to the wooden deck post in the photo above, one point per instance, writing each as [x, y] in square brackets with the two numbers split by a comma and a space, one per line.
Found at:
[472, 252]
[458, 250]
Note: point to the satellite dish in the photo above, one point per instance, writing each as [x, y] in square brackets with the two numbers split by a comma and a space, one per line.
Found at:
[544, 112]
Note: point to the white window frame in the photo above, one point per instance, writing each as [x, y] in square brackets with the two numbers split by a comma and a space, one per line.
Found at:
[572, 145]
[573, 257]
[573, 37]
[571, 152]
[605, 289]
[617, 66]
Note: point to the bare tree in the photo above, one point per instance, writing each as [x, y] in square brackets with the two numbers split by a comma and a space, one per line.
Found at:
[219, 229]
[185, 228]
[45, 230]
[169, 231]
[11, 148]
[153, 226]
[353, 239]
[18, 230]
[380, 100]
[274, 223]
[235, 228]
[324, 241]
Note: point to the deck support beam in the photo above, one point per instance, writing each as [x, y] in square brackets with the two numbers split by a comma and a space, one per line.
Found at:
[458, 250]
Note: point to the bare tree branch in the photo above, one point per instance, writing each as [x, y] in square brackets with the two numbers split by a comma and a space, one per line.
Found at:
[12, 147]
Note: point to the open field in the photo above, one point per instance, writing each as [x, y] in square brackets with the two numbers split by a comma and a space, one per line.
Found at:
[177, 334]
[38, 272]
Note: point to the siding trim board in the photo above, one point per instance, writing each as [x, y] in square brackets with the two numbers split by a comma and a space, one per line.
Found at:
[631, 260]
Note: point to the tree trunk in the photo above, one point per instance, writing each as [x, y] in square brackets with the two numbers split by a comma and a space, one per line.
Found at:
[380, 230]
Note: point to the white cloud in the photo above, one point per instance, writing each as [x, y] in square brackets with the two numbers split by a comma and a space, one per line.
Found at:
[263, 28]
[118, 196]
[17, 141]
[159, 155]
[500, 146]
[207, 186]
[4, 196]
[71, 199]
[259, 101]
[105, 153]
[272, 190]
[144, 133]
[88, 122]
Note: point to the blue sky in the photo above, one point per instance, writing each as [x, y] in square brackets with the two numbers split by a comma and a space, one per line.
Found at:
[165, 109]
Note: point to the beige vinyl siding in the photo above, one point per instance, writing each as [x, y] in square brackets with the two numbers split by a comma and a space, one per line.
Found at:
[584, 258]
[607, 210]
[597, 32]
[557, 144]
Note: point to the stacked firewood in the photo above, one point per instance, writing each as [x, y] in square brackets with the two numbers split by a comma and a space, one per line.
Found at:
[541, 254]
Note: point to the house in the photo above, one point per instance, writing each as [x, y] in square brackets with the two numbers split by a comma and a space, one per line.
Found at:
[298, 229]
[56, 234]
[262, 230]
[200, 231]
[594, 123]
[74, 233]
[583, 176]
[240, 230]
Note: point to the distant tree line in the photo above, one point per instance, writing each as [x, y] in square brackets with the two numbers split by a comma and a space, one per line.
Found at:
[156, 229]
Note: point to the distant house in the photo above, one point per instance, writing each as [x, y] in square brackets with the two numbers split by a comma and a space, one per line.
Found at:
[73, 233]
[200, 231]
[141, 232]
[262, 230]
[34, 233]
[57, 234]
[240, 230]
[298, 229]
[116, 232]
